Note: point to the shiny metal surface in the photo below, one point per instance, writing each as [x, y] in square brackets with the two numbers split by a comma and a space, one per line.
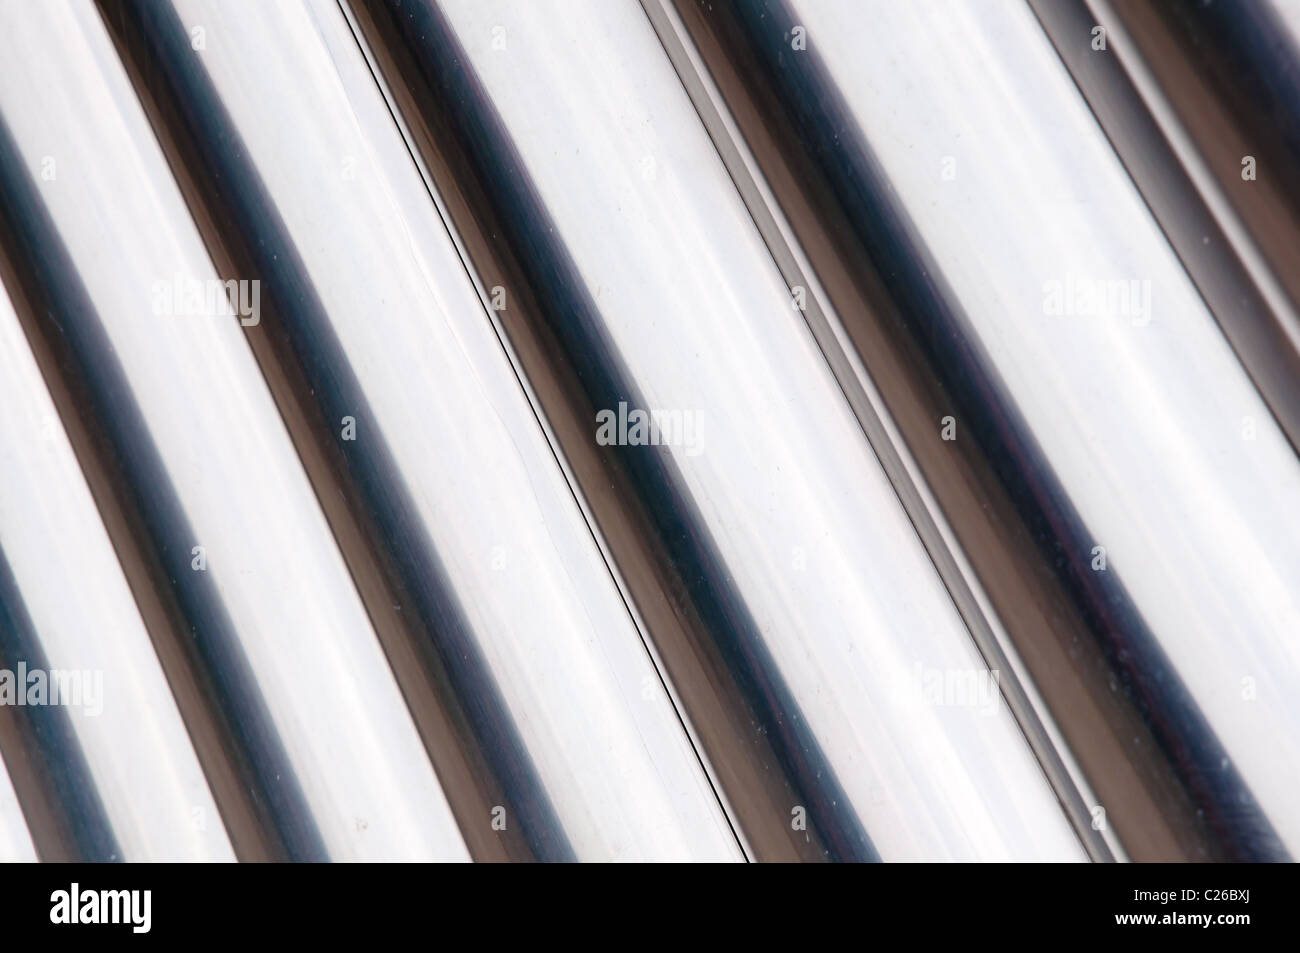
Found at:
[296, 718]
[1200, 103]
[15, 842]
[651, 430]
[795, 613]
[539, 703]
[1121, 493]
[106, 772]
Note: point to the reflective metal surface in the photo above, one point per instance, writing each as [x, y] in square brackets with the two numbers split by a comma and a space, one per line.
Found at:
[91, 734]
[15, 842]
[991, 271]
[540, 705]
[296, 718]
[796, 615]
[1201, 104]
[652, 430]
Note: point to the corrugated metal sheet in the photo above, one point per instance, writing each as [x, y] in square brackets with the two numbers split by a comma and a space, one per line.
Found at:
[506, 430]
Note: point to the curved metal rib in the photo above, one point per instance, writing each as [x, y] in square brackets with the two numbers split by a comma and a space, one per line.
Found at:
[964, 218]
[628, 278]
[537, 700]
[307, 746]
